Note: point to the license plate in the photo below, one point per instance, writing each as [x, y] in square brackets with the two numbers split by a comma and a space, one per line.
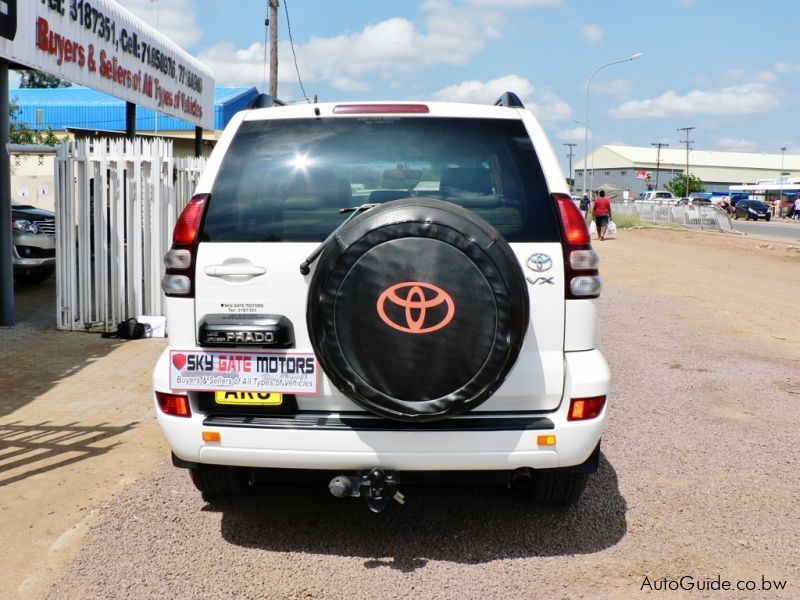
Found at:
[248, 398]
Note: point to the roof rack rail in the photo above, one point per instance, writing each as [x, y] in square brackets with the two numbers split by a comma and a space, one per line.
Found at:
[265, 101]
[509, 99]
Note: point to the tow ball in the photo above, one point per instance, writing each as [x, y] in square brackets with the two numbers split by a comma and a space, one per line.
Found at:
[376, 486]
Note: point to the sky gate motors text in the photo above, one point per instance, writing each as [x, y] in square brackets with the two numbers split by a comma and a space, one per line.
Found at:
[237, 363]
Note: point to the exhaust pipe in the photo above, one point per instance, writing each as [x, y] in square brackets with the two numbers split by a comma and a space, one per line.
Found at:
[522, 478]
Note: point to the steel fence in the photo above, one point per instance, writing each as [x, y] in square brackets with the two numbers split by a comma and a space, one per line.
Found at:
[658, 213]
[116, 206]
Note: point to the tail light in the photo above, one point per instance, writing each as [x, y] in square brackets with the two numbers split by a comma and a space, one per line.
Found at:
[379, 109]
[581, 409]
[180, 259]
[176, 405]
[580, 261]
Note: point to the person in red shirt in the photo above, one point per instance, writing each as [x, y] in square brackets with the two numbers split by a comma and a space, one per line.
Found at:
[601, 211]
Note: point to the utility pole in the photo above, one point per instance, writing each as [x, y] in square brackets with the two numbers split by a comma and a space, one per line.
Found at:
[687, 141]
[658, 145]
[273, 48]
[780, 193]
[570, 156]
[6, 242]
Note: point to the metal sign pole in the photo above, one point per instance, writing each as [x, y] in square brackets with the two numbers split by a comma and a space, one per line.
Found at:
[130, 120]
[6, 262]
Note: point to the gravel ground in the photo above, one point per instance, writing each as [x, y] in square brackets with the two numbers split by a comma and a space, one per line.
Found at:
[698, 478]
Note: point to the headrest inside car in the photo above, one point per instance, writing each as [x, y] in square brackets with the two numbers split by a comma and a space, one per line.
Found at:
[475, 180]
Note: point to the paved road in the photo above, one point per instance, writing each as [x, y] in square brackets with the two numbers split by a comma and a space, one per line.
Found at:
[789, 231]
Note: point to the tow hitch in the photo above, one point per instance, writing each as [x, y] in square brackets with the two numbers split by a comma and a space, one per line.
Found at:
[376, 486]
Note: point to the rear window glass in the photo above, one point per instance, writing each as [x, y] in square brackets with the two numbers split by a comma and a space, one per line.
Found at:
[288, 180]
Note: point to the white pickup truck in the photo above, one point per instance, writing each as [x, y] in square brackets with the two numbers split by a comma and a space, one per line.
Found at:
[660, 197]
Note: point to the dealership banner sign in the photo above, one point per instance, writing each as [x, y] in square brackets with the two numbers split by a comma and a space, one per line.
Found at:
[101, 45]
[285, 371]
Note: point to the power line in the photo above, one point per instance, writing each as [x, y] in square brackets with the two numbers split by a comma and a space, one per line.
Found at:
[291, 43]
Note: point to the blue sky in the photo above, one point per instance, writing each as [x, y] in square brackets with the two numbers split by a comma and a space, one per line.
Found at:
[727, 67]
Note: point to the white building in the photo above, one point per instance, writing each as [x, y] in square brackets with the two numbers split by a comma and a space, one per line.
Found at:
[623, 167]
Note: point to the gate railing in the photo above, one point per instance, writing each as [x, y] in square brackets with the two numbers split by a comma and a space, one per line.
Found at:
[116, 206]
[703, 216]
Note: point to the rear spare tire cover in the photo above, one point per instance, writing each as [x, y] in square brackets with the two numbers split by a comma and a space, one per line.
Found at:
[417, 310]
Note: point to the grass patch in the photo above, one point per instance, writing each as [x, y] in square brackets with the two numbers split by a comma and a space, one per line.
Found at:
[624, 221]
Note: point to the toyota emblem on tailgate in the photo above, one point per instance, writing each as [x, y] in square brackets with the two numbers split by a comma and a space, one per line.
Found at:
[416, 304]
[539, 262]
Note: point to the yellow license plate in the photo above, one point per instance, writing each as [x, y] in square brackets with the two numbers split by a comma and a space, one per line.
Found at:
[248, 398]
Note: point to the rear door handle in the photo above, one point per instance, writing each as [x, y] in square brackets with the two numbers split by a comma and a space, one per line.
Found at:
[235, 270]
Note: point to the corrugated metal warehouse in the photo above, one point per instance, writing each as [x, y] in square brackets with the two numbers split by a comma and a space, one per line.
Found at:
[83, 112]
[617, 167]
[84, 108]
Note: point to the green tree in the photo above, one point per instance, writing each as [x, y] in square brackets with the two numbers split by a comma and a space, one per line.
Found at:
[21, 133]
[38, 79]
[678, 185]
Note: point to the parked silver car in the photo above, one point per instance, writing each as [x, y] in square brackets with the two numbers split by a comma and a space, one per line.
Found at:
[34, 243]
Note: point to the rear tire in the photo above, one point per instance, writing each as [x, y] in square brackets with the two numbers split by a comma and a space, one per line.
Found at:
[766, 218]
[217, 480]
[558, 488]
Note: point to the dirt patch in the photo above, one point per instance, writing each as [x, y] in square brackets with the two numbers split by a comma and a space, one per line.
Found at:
[724, 283]
[76, 427]
[703, 337]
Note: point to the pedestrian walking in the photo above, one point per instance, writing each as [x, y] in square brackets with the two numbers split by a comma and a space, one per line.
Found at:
[585, 204]
[602, 213]
[796, 214]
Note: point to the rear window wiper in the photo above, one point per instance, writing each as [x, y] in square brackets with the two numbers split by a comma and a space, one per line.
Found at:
[305, 266]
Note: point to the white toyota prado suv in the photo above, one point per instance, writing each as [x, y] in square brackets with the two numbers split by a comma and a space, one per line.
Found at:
[378, 294]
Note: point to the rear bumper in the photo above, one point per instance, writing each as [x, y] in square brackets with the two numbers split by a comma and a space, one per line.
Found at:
[421, 449]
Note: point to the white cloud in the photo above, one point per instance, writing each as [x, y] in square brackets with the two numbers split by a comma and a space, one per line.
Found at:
[735, 74]
[514, 4]
[235, 66]
[734, 100]
[545, 104]
[615, 87]
[737, 145]
[784, 67]
[175, 18]
[451, 33]
[593, 34]
[549, 108]
[479, 92]
[766, 76]
[574, 134]
[384, 49]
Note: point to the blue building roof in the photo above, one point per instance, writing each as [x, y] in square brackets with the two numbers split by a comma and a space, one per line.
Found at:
[60, 108]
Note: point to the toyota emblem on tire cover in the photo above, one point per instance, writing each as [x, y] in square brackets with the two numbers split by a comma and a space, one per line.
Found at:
[417, 298]
[539, 262]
